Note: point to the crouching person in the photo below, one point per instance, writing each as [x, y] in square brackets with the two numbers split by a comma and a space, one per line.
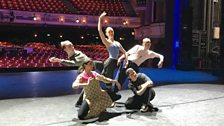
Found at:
[95, 100]
[141, 86]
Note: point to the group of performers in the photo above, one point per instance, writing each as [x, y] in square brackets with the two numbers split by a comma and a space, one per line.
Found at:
[94, 100]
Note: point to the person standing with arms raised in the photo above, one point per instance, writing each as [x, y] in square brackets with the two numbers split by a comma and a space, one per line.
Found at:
[113, 48]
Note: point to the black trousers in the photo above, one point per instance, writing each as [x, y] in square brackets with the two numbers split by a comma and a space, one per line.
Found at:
[108, 71]
[98, 66]
[121, 74]
[136, 101]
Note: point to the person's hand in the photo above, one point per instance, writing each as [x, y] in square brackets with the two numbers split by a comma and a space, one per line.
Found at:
[118, 62]
[139, 87]
[117, 84]
[126, 65]
[160, 64]
[103, 14]
[54, 59]
[150, 84]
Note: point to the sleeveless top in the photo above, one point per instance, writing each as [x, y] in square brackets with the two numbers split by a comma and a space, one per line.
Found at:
[114, 50]
[97, 99]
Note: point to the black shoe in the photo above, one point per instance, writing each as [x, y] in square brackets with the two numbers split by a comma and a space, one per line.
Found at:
[78, 104]
[155, 109]
[151, 108]
[117, 96]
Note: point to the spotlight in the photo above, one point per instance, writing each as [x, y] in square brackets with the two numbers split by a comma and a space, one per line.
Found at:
[77, 20]
[35, 35]
[125, 22]
[106, 21]
[83, 20]
[34, 18]
[132, 33]
[61, 19]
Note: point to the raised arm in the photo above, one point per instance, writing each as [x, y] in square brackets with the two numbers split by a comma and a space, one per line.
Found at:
[102, 36]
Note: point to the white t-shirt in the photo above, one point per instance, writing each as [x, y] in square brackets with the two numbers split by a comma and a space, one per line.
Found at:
[138, 55]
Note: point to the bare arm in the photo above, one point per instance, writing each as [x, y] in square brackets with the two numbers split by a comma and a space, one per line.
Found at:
[161, 59]
[108, 80]
[78, 82]
[62, 61]
[144, 86]
[125, 55]
[102, 36]
[130, 51]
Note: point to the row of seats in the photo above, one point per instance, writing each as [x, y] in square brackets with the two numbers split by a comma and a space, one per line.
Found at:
[93, 7]
[49, 6]
[86, 7]
[39, 57]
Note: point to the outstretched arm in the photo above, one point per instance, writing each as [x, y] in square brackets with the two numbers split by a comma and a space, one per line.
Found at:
[102, 36]
[161, 59]
[62, 61]
[129, 52]
[108, 80]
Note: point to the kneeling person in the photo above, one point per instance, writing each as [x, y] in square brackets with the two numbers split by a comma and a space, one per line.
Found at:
[141, 86]
[96, 100]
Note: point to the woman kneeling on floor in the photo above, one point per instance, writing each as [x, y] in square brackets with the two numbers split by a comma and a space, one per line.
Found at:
[96, 100]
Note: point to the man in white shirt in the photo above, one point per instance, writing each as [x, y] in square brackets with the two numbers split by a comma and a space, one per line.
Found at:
[136, 56]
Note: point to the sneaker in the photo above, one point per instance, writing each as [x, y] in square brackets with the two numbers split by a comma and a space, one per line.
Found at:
[112, 105]
[150, 106]
[144, 108]
[89, 120]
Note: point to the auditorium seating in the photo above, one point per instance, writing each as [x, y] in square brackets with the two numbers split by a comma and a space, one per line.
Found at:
[93, 7]
[49, 6]
[41, 52]
[83, 7]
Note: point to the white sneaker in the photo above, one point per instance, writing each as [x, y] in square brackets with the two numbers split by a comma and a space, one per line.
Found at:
[144, 108]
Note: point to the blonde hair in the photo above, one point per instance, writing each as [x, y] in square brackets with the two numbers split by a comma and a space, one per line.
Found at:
[146, 40]
[109, 29]
[66, 43]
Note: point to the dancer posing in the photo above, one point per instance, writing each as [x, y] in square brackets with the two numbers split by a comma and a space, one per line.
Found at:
[96, 100]
[75, 58]
[113, 48]
[141, 86]
[136, 56]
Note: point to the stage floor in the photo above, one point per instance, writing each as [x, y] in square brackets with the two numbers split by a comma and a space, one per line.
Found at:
[179, 104]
